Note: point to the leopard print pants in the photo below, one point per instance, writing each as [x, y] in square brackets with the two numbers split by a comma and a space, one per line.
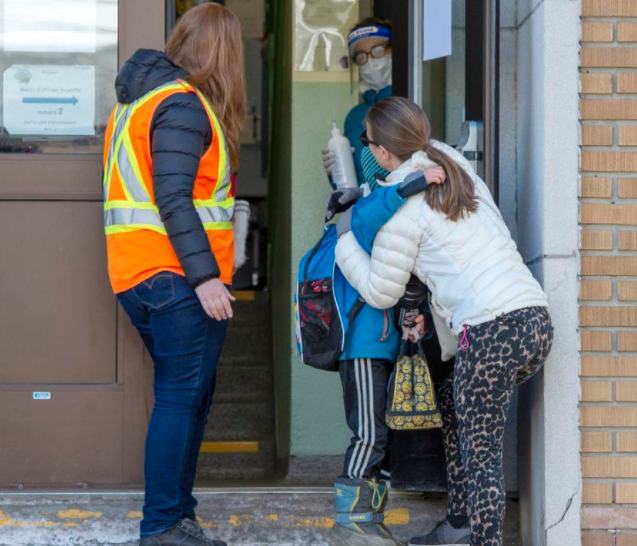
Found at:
[493, 359]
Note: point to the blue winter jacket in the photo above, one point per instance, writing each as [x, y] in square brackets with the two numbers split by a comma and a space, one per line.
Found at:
[372, 334]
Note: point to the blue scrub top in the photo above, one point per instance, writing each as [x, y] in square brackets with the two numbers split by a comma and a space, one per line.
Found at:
[355, 124]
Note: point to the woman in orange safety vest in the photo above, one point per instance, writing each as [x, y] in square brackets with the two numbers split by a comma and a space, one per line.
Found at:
[171, 144]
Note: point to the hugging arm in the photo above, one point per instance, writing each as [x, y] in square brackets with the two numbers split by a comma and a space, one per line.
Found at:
[382, 277]
[374, 211]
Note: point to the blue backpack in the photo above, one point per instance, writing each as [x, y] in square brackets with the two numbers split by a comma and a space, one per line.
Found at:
[325, 305]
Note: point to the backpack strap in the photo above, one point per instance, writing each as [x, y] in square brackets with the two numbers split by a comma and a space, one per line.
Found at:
[314, 251]
[353, 313]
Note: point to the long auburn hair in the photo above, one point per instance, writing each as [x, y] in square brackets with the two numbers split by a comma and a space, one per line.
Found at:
[207, 43]
[400, 126]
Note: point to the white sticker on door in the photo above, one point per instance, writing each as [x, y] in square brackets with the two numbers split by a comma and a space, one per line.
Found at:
[437, 29]
[41, 396]
[49, 100]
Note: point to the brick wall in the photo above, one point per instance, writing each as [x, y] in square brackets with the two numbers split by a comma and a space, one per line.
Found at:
[608, 294]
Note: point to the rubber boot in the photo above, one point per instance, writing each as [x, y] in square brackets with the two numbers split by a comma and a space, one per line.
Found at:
[360, 506]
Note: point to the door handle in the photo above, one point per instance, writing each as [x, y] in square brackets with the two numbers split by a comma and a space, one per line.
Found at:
[471, 145]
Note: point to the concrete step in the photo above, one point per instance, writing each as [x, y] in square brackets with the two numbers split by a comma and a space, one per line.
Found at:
[248, 341]
[243, 408]
[215, 468]
[249, 421]
[245, 360]
[254, 312]
[250, 516]
[243, 384]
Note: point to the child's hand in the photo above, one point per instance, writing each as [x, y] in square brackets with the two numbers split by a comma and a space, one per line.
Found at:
[435, 175]
[412, 326]
[341, 200]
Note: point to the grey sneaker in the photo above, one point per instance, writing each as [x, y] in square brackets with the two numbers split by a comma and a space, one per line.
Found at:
[444, 534]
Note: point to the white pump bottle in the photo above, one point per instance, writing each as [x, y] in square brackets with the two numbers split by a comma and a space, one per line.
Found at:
[344, 172]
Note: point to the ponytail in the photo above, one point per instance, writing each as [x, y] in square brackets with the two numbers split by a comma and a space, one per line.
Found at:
[456, 197]
[400, 126]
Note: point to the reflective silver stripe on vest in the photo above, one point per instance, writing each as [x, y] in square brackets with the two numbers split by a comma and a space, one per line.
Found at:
[215, 214]
[132, 183]
[124, 216]
[221, 191]
[117, 130]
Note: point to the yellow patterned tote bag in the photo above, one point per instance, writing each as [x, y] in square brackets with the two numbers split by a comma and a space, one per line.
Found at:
[411, 400]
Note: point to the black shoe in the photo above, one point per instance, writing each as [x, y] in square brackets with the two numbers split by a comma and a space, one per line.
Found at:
[193, 524]
[186, 533]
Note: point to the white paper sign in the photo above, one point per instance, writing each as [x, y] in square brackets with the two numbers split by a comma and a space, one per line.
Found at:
[49, 100]
[51, 26]
[437, 29]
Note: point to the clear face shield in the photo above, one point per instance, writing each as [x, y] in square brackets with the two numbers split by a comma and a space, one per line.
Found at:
[374, 65]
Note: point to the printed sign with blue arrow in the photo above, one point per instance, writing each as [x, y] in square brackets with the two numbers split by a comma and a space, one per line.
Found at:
[50, 100]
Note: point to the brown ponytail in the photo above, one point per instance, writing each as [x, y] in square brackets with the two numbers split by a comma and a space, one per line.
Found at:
[400, 126]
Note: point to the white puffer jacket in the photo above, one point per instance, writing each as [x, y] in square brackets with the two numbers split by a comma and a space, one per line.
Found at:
[472, 267]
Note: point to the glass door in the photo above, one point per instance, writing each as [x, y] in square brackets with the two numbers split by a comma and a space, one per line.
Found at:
[446, 60]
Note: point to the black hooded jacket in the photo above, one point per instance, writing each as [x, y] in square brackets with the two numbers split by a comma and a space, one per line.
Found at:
[180, 134]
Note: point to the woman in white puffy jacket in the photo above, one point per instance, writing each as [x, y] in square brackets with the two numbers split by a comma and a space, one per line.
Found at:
[455, 240]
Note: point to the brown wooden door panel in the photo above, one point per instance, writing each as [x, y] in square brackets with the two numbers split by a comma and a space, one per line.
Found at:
[60, 328]
[75, 437]
[56, 177]
[57, 312]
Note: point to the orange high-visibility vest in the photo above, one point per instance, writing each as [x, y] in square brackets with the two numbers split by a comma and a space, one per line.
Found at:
[137, 242]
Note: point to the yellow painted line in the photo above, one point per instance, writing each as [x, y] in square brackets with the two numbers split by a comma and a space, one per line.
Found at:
[230, 447]
[393, 517]
[78, 514]
[238, 521]
[245, 295]
[207, 524]
[397, 516]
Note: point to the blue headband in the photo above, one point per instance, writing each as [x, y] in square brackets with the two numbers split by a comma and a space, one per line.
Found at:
[372, 31]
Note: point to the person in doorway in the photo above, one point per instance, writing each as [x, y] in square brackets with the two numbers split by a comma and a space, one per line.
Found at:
[370, 49]
[170, 144]
[455, 240]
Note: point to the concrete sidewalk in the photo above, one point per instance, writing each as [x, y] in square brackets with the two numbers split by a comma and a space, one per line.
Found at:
[241, 516]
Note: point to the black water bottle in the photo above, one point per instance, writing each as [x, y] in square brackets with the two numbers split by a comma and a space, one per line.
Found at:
[415, 296]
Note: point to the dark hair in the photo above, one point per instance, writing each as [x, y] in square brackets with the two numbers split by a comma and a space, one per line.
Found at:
[372, 21]
[401, 127]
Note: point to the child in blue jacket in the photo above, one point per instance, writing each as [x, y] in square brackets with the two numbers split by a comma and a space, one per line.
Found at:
[365, 365]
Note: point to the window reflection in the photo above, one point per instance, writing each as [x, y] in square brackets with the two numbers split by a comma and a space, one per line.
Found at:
[58, 65]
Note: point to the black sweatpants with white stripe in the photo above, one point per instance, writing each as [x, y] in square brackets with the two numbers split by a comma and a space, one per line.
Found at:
[365, 395]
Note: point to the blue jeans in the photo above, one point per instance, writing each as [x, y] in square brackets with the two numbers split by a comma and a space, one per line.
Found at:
[185, 345]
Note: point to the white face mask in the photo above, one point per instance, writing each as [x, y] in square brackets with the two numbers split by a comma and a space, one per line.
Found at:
[377, 72]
